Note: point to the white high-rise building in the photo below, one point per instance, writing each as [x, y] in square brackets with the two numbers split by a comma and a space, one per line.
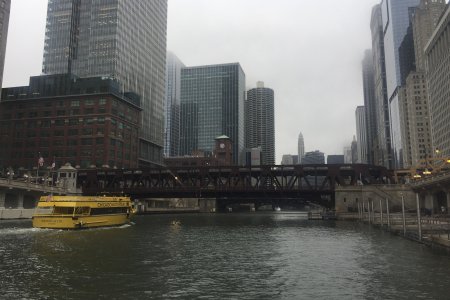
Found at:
[260, 122]
[301, 148]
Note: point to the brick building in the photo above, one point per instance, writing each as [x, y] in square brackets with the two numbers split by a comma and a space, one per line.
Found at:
[85, 122]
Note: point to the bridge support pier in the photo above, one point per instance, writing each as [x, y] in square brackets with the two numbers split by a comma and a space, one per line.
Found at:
[20, 197]
[448, 200]
[429, 201]
[2, 199]
[207, 205]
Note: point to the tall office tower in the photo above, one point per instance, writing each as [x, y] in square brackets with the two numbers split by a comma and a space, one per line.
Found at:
[407, 65]
[348, 155]
[425, 19]
[287, 160]
[212, 104]
[260, 122]
[438, 72]
[417, 119]
[354, 149]
[118, 39]
[383, 149]
[172, 105]
[361, 133]
[301, 148]
[370, 105]
[396, 15]
[5, 7]
[314, 158]
[413, 95]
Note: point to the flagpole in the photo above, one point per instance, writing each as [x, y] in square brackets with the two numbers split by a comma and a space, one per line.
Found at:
[37, 170]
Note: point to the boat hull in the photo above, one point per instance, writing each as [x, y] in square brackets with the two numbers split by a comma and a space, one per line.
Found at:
[68, 222]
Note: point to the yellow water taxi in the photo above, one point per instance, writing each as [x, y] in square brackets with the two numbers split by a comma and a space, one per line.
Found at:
[76, 212]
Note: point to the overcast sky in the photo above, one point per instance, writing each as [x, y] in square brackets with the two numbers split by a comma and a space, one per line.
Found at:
[308, 52]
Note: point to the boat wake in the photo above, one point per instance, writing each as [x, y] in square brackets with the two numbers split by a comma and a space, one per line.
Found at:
[20, 231]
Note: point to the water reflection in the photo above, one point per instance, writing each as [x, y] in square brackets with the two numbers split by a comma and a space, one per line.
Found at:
[226, 256]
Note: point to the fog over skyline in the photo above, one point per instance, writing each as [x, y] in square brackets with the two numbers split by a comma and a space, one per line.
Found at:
[309, 52]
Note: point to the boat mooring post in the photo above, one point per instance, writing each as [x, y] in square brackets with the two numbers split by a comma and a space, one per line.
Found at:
[403, 213]
[373, 214]
[419, 224]
[362, 214]
[387, 212]
[381, 214]
[359, 211]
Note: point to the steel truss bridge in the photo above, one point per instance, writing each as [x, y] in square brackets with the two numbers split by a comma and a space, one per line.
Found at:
[233, 184]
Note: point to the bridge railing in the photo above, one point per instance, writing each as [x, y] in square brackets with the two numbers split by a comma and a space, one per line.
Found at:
[31, 186]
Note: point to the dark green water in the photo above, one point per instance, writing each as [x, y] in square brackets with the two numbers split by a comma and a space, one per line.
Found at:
[223, 256]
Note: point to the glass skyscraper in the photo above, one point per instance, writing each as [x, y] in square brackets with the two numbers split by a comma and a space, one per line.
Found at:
[172, 105]
[383, 149]
[118, 39]
[5, 6]
[212, 104]
[260, 122]
[370, 107]
[396, 16]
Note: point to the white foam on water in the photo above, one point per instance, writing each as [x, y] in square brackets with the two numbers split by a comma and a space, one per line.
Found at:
[20, 231]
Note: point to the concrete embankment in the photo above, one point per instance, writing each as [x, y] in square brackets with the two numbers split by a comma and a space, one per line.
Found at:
[433, 230]
[18, 213]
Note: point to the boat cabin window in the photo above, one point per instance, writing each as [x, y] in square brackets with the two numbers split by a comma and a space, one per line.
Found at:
[62, 210]
[109, 210]
[82, 210]
[44, 210]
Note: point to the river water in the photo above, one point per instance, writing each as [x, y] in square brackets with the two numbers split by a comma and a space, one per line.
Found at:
[218, 256]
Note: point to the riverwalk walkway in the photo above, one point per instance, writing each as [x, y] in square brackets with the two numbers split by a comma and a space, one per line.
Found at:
[432, 230]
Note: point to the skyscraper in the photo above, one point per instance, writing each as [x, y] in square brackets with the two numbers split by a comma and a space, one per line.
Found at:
[361, 133]
[5, 7]
[383, 148]
[212, 104]
[118, 39]
[354, 149]
[172, 105]
[301, 148]
[314, 158]
[260, 122]
[369, 106]
[413, 95]
[396, 15]
[287, 160]
[426, 17]
[438, 72]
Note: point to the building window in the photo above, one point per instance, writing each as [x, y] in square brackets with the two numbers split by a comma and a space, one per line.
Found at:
[86, 142]
[72, 132]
